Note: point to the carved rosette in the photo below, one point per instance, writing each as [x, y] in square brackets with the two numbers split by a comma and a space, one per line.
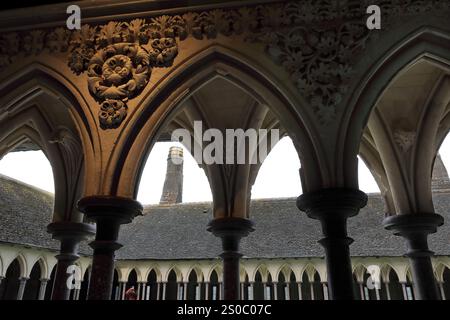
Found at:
[118, 59]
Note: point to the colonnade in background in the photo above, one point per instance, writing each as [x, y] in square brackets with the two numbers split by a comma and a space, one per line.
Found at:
[262, 279]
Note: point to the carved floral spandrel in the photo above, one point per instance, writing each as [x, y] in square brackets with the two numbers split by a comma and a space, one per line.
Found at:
[316, 43]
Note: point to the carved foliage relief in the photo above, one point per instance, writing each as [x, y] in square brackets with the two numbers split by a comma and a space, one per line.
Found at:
[316, 42]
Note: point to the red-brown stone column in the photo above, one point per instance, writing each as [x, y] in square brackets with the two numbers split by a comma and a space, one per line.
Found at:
[108, 213]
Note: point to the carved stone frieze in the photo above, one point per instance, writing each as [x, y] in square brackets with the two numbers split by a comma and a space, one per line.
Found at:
[316, 42]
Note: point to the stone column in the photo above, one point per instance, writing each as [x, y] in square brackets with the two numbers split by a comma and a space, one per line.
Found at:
[142, 297]
[206, 290]
[264, 285]
[441, 288]
[388, 291]
[405, 294]
[325, 290]
[123, 290]
[231, 230]
[251, 289]
[158, 288]
[377, 293]
[275, 290]
[164, 291]
[415, 228]
[332, 207]
[185, 287]
[22, 284]
[287, 293]
[109, 213]
[138, 293]
[299, 285]
[178, 292]
[118, 295]
[42, 289]
[76, 294]
[361, 290]
[242, 291]
[70, 234]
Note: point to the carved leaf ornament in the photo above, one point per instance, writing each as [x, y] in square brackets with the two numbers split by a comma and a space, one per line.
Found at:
[316, 42]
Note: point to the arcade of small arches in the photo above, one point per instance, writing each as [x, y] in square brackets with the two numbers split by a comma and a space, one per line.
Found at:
[96, 100]
[28, 274]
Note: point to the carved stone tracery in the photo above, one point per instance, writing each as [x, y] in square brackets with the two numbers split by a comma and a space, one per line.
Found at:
[316, 43]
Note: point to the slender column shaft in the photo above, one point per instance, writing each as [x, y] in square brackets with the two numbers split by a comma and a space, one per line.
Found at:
[377, 293]
[22, 284]
[158, 289]
[185, 287]
[206, 290]
[138, 293]
[333, 207]
[124, 289]
[299, 285]
[441, 288]
[388, 291]
[275, 290]
[325, 291]
[361, 291]
[415, 228]
[42, 289]
[405, 295]
[251, 291]
[164, 291]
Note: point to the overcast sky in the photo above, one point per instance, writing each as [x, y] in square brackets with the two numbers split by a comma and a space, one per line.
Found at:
[278, 176]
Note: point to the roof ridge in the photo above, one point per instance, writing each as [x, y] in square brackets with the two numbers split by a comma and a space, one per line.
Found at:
[26, 185]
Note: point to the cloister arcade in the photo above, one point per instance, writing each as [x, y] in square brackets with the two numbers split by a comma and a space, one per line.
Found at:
[96, 100]
[202, 280]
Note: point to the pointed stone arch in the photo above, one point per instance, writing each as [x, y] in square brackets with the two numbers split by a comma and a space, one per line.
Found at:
[157, 107]
[40, 105]
[423, 43]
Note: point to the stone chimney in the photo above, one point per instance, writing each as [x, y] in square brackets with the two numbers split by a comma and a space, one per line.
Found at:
[173, 185]
[439, 179]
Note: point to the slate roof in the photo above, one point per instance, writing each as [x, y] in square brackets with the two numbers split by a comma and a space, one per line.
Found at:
[179, 231]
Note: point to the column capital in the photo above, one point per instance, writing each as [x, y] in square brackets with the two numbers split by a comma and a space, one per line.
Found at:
[415, 228]
[332, 203]
[68, 230]
[404, 224]
[231, 230]
[118, 209]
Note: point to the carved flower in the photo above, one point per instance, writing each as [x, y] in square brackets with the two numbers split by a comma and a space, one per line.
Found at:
[117, 69]
[112, 113]
[163, 51]
[118, 72]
